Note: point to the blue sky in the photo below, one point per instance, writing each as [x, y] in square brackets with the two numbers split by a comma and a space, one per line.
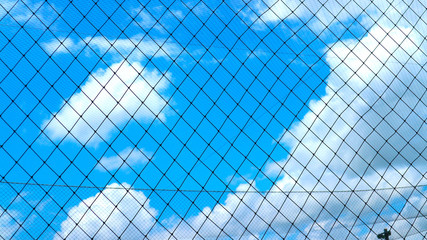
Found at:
[223, 96]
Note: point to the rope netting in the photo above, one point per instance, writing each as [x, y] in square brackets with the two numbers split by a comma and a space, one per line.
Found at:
[255, 119]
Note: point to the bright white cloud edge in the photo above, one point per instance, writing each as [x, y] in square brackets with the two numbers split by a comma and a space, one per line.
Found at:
[109, 98]
[110, 214]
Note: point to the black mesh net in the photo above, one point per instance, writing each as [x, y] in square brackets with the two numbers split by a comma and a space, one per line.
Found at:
[129, 119]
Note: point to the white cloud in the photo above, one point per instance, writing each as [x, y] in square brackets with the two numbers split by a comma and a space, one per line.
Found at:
[368, 131]
[146, 19]
[126, 158]
[28, 12]
[331, 12]
[224, 220]
[247, 215]
[371, 117]
[115, 212]
[136, 48]
[406, 225]
[61, 45]
[8, 223]
[324, 14]
[109, 98]
[337, 214]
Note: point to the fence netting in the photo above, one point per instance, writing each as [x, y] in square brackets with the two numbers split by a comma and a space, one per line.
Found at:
[188, 119]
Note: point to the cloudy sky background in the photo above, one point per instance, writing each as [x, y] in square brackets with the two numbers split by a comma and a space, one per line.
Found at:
[291, 112]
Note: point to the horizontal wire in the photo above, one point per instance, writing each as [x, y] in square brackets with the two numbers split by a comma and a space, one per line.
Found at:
[212, 190]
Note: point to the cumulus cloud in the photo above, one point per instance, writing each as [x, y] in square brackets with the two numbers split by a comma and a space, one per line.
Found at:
[109, 98]
[225, 220]
[126, 158]
[116, 212]
[333, 13]
[312, 215]
[371, 120]
[247, 214]
[366, 132]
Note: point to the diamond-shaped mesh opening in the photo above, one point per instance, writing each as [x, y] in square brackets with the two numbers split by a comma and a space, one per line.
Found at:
[259, 119]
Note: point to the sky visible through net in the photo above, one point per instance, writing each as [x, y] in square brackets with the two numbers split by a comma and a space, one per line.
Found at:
[274, 119]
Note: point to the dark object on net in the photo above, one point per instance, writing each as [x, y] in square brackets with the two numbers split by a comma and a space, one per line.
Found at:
[384, 235]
